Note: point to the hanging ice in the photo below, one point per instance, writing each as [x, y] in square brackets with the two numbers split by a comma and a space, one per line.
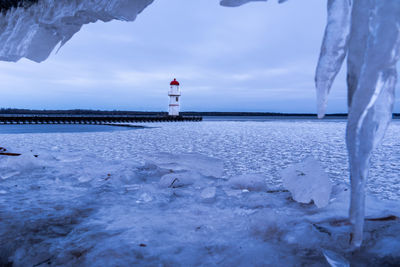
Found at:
[35, 31]
[373, 50]
[333, 50]
[370, 110]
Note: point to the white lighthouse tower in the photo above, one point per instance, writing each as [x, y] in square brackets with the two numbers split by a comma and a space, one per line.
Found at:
[174, 95]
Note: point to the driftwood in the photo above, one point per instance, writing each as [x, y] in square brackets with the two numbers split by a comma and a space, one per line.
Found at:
[9, 154]
[3, 152]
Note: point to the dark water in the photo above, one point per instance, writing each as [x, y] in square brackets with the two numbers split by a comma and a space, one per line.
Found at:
[79, 128]
[58, 128]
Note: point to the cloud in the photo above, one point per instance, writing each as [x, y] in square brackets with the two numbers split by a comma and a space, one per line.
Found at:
[256, 57]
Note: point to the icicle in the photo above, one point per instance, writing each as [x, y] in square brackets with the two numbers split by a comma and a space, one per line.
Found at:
[357, 44]
[372, 101]
[333, 49]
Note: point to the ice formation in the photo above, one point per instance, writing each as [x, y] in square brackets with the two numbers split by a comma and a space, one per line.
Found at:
[366, 31]
[333, 50]
[33, 32]
[369, 33]
[307, 181]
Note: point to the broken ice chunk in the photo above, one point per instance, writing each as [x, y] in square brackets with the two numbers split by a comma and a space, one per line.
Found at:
[308, 181]
[208, 193]
[144, 198]
[251, 182]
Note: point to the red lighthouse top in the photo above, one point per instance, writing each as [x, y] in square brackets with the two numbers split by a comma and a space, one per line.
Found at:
[174, 82]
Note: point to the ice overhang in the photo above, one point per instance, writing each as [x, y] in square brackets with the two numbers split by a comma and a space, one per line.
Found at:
[33, 28]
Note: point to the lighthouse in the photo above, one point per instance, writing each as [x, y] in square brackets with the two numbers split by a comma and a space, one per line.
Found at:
[174, 95]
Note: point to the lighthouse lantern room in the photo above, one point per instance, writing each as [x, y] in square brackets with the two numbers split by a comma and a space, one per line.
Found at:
[174, 95]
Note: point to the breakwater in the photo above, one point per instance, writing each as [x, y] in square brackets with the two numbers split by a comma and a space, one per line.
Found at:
[44, 119]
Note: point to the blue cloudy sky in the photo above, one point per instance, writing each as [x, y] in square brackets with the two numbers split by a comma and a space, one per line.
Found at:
[258, 57]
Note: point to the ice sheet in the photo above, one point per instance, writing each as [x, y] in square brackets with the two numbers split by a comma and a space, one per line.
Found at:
[95, 199]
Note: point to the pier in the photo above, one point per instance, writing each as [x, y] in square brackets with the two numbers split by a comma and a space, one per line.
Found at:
[44, 119]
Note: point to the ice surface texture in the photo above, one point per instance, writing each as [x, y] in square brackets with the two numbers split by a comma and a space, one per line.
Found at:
[93, 199]
[280, 144]
[367, 31]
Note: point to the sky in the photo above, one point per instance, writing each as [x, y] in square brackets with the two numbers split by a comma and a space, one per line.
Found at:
[260, 57]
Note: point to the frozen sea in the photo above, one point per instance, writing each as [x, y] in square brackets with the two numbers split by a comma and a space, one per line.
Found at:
[245, 144]
[162, 196]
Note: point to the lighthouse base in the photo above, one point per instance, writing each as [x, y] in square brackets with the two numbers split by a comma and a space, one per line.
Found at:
[173, 111]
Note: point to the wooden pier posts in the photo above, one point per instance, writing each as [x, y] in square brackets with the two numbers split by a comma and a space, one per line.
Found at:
[43, 119]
